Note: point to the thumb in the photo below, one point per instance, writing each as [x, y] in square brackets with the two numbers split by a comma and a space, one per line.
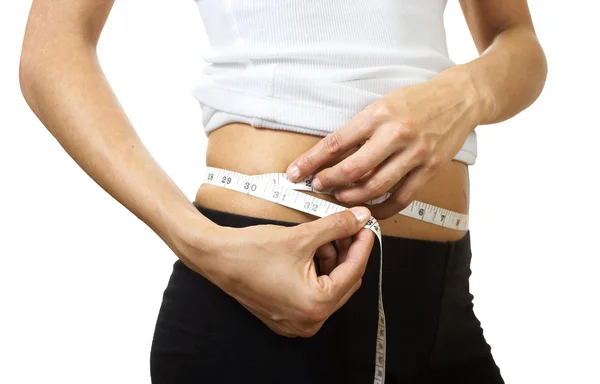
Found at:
[337, 226]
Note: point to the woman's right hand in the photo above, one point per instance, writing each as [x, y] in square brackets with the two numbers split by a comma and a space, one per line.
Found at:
[270, 269]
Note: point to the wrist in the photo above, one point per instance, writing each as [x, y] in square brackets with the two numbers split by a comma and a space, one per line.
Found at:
[204, 247]
[479, 102]
[187, 232]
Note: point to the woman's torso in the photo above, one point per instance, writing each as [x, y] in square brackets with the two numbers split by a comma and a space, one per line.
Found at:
[245, 149]
[305, 68]
[311, 66]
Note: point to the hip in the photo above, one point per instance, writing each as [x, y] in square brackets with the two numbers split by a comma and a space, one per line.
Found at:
[433, 334]
[249, 150]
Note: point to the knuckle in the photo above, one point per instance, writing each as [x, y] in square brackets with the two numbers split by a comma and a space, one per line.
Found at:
[326, 179]
[333, 143]
[301, 235]
[306, 163]
[350, 169]
[315, 311]
[435, 162]
[346, 220]
[424, 147]
[303, 333]
[405, 130]
[316, 315]
[398, 131]
[381, 109]
[376, 187]
[420, 150]
[309, 331]
[411, 125]
[285, 331]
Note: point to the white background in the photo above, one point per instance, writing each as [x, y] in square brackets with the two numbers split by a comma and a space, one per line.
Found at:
[81, 279]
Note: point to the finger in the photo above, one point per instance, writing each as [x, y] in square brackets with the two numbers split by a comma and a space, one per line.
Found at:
[331, 146]
[327, 258]
[370, 155]
[400, 199]
[332, 227]
[333, 162]
[343, 246]
[341, 280]
[379, 182]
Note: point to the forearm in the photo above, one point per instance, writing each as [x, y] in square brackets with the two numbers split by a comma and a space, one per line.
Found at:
[73, 99]
[506, 79]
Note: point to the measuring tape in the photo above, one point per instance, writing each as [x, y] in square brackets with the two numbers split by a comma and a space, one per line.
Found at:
[276, 187]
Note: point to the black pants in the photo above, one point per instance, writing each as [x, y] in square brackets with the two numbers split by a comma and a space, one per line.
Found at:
[204, 336]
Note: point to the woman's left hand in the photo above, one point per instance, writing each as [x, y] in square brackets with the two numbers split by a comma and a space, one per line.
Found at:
[404, 138]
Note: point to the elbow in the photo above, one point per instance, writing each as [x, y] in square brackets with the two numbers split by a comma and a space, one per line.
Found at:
[32, 55]
[26, 74]
[533, 62]
[43, 67]
[30, 71]
[543, 68]
[536, 59]
[539, 65]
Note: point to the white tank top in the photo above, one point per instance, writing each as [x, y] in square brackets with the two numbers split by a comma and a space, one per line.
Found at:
[311, 65]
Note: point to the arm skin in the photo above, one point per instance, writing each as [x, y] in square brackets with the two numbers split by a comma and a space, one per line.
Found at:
[511, 71]
[409, 134]
[268, 269]
[63, 83]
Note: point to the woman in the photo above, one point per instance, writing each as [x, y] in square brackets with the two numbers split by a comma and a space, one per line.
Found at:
[360, 95]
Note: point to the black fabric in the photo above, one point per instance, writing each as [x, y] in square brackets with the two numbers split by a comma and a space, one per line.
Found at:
[203, 335]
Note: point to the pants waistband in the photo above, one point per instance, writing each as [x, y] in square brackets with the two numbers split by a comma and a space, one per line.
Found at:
[399, 252]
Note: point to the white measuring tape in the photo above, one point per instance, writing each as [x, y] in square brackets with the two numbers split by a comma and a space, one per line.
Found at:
[276, 187]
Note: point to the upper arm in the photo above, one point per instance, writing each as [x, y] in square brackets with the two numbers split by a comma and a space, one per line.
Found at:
[55, 23]
[488, 18]
[58, 33]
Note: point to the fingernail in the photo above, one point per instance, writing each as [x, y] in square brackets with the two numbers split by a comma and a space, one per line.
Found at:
[362, 214]
[337, 195]
[316, 183]
[294, 173]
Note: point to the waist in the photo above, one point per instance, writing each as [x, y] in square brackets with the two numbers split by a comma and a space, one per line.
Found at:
[245, 149]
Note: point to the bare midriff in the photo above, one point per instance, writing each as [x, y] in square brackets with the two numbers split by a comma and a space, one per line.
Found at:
[249, 150]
